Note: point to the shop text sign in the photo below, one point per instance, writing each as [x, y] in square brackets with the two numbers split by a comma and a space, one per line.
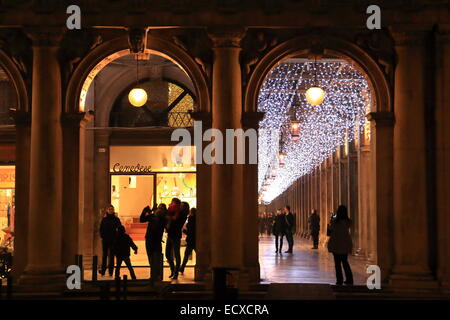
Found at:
[126, 168]
[7, 177]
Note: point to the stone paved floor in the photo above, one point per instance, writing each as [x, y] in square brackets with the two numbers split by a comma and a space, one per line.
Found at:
[304, 266]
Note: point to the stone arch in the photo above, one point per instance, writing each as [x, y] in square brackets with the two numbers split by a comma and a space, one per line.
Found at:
[382, 122]
[332, 45]
[17, 80]
[113, 49]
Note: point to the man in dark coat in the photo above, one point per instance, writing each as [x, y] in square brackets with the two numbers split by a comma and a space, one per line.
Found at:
[108, 233]
[290, 225]
[156, 219]
[122, 250]
[190, 238]
[279, 230]
[314, 228]
[176, 223]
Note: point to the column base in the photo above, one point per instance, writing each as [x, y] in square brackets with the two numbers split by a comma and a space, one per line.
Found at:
[444, 284]
[417, 283]
[43, 280]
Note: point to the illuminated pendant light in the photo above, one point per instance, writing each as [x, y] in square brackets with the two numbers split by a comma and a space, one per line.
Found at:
[281, 159]
[137, 95]
[315, 95]
[295, 130]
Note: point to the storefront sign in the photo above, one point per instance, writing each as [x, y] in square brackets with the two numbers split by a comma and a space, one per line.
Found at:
[138, 168]
[7, 177]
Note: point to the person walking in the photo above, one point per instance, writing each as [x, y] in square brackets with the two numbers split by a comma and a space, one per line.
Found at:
[314, 228]
[340, 244]
[279, 230]
[108, 232]
[156, 218]
[190, 238]
[122, 246]
[178, 212]
[290, 225]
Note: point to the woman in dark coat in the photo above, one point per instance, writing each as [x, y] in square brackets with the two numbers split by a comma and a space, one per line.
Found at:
[279, 230]
[190, 238]
[177, 220]
[340, 245]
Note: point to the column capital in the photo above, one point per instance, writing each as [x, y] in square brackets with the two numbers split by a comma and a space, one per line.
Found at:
[409, 37]
[381, 118]
[203, 116]
[76, 119]
[45, 36]
[226, 36]
[251, 119]
[21, 118]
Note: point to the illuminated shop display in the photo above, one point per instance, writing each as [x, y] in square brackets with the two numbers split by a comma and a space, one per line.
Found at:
[7, 206]
[145, 174]
[323, 127]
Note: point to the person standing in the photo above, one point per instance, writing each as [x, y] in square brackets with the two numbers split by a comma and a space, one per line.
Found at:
[279, 230]
[340, 244]
[156, 218]
[108, 232]
[290, 224]
[314, 228]
[122, 246]
[178, 212]
[190, 238]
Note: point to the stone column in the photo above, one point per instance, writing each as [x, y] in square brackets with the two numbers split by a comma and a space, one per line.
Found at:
[23, 136]
[336, 177]
[227, 185]
[443, 155]
[323, 202]
[250, 122]
[71, 222]
[101, 184]
[365, 228]
[44, 266]
[352, 191]
[411, 192]
[203, 228]
[381, 181]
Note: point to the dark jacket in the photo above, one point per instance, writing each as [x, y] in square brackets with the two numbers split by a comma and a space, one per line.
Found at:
[290, 221]
[156, 222]
[280, 226]
[340, 241]
[314, 223]
[175, 226]
[190, 232]
[122, 245]
[108, 227]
